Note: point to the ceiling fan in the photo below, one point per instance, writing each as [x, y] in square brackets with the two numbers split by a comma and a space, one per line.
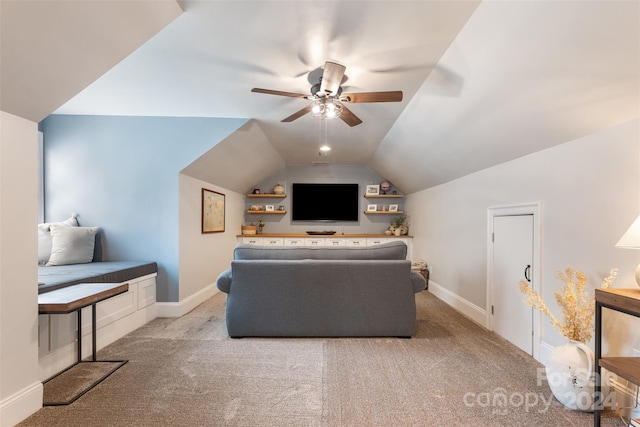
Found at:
[328, 99]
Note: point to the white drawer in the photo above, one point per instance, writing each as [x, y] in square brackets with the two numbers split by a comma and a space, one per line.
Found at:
[356, 242]
[294, 241]
[252, 240]
[273, 241]
[335, 242]
[376, 241]
[314, 242]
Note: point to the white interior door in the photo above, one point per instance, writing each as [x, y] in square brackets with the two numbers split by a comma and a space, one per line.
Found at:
[512, 262]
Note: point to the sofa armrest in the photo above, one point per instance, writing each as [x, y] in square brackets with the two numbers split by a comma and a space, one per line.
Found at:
[417, 281]
[223, 282]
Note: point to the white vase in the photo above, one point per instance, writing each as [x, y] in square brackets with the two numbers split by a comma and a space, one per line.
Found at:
[570, 375]
[278, 189]
[397, 232]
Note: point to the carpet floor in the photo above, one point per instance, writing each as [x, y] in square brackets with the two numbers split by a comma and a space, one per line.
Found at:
[188, 372]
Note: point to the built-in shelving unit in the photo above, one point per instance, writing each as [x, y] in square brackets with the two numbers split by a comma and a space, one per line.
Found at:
[267, 196]
[384, 196]
[264, 212]
[384, 212]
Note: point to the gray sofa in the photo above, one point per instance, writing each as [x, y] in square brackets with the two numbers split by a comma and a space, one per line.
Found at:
[321, 291]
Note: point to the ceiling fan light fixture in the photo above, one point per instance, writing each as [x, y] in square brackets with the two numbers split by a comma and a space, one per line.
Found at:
[326, 108]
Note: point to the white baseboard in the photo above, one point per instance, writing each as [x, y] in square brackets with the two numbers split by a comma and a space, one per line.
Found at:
[178, 309]
[472, 311]
[545, 351]
[21, 405]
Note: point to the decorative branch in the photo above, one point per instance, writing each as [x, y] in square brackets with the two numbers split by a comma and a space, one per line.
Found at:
[577, 306]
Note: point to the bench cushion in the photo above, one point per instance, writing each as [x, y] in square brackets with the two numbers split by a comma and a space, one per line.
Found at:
[60, 276]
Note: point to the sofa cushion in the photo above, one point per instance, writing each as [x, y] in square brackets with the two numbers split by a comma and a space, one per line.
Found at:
[386, 251]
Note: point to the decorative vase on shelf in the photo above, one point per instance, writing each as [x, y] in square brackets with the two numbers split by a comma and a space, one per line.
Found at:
[570, 375]
[278, 189]
[398, 231]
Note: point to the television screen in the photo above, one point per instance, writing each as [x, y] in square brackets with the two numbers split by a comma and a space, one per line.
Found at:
[324, 202]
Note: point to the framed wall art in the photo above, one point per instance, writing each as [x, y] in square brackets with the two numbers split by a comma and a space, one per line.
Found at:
[212, 211]
[373, 190]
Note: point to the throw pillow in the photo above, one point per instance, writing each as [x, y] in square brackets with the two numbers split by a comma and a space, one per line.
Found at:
[72, 245]
[44, 238]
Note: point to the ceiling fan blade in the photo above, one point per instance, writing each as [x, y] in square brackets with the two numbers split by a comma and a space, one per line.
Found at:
[392, 96]
[278, 92]
[349, 118]
[298, 114]
[331, 78]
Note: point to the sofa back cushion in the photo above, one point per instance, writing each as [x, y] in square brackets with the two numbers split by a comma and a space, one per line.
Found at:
[386, 251]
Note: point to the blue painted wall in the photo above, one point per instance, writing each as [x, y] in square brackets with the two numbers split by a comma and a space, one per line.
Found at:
[121, 174]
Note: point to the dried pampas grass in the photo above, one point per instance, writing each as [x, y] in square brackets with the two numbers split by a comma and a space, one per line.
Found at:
[577, 306]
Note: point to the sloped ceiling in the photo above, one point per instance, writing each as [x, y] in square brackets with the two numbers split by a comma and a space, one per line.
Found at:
[519, 78]
[41, 42]
[483, 82]
[227, 164]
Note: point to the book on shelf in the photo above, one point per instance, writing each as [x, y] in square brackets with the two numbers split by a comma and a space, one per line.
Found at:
[634, 422]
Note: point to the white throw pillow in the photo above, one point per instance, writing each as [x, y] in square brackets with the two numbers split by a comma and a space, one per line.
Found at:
[72, 245]
[44, 238]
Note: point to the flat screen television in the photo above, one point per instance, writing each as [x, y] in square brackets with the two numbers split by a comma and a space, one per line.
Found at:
[324, 202]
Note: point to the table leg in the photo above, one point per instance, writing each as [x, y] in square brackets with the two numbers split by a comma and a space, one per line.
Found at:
[599, 398]
[79, 335]
[93, 330]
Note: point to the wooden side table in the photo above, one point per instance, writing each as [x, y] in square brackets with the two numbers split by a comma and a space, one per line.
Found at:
[75, 298]
[625, 301]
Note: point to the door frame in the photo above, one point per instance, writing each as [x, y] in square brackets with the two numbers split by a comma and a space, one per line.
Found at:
[535, 209]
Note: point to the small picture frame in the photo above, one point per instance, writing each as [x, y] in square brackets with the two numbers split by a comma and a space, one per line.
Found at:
[393, 208]
[269, 208]
[373, 190]
[372, 208]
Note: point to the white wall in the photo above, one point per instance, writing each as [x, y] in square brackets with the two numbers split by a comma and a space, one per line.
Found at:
[590, 193]
[204, 256]
[20, 389]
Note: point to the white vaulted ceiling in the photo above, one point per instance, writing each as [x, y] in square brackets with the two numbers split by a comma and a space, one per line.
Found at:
[483, 82]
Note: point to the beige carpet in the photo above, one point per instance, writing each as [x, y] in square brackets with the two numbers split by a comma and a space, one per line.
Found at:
[187, 372]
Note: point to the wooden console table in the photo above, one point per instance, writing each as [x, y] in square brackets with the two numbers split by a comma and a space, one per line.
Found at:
[75, 298]
[625, 301]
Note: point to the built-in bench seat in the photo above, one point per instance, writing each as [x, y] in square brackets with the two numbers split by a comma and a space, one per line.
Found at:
[116, 316]
[55, 277]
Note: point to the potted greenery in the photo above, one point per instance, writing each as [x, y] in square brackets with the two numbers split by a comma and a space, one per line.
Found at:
[398, 226]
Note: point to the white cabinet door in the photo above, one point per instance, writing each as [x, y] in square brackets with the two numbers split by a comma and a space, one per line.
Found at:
[314, 242]
[293, 241]
[335, 241]
[356, 242]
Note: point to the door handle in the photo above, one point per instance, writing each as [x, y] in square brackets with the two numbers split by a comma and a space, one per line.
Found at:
[527, 271]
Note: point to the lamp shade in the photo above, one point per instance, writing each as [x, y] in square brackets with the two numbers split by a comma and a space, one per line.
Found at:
[631, 238]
